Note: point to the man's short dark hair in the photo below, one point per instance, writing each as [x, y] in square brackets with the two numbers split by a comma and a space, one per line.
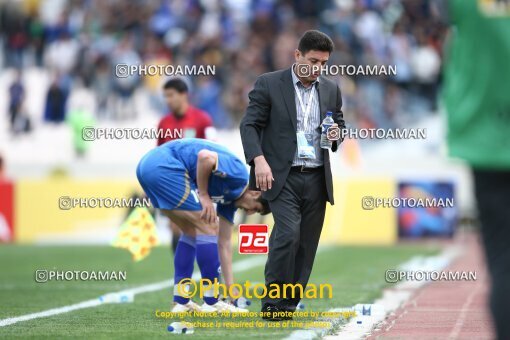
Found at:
[177, 84]
[315, 40]
[265, 206]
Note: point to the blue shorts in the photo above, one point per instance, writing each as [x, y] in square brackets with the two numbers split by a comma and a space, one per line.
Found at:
[167, 183]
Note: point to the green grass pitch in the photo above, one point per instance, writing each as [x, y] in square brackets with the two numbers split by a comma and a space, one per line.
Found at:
[356, 274]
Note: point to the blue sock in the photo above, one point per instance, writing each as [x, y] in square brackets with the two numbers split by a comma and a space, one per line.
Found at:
[184, 259]
[208, 261]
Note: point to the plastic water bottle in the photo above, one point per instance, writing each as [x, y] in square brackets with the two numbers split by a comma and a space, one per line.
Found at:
[326, 124]
[242, 302]
[181, 328]
[363, 309]
[121, 297]
[369, 309]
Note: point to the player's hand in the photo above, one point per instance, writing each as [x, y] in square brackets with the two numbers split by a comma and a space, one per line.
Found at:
[208, 213]
[235, 292]
[263, 175]
[341, 128]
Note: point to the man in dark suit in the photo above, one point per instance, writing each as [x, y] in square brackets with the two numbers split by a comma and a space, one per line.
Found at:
[287, 107]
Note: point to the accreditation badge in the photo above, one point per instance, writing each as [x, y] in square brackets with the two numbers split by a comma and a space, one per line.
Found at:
[305, 145]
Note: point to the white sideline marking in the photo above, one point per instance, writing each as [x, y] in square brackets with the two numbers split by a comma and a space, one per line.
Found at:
[391, 300]
[309, 334]
[462, 317]
[238, 266]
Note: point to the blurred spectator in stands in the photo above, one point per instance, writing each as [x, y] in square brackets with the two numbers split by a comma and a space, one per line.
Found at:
[78, 119]
[208, 97]
[13, 28]
[399, 48]
[37, 39]
[16, 98]
[425, 64]
[125, 87]
[155, 53]
[84, 40]
[62, 54]
[102, 87]
[56, 100]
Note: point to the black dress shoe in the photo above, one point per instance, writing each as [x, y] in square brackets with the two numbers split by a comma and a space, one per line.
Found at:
[288, 306]
[275, 313]
[288, 309]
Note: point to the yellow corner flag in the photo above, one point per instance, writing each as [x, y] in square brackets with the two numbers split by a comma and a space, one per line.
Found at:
[137, 234]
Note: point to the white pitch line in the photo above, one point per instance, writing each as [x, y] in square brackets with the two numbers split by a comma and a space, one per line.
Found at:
[462, 317]
[238, 266]
[50, 312]
[309, 334]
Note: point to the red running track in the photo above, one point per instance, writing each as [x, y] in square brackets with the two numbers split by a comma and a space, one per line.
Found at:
[446, 309]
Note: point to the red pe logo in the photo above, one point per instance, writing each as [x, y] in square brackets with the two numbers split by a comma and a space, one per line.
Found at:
[253, 239]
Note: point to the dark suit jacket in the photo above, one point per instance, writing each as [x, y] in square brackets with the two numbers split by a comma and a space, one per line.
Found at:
[269, 126]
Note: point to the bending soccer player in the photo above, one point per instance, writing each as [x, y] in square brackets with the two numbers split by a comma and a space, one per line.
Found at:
[184, 178]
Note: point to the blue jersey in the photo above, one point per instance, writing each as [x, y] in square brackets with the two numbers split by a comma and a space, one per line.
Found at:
[227, 182]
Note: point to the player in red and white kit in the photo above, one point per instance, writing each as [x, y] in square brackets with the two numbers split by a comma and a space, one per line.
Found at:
[193, 122]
